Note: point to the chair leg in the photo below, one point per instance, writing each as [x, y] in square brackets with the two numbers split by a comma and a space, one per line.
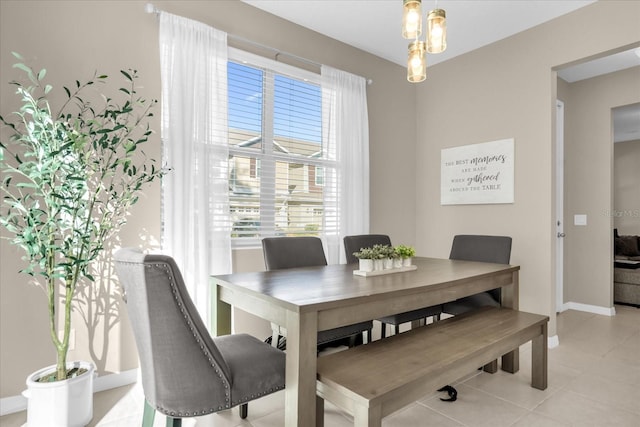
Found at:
[352, 340]
[397, 329]
[383, 330]
[148, 415]
[244, 410]
[174, 422]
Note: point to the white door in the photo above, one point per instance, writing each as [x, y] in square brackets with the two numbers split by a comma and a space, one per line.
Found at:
[559, 204]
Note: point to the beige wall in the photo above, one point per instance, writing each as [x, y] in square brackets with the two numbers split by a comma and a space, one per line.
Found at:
[589, 183]
[508, 90]
[72, 39]
[503, 90]
[626, 187]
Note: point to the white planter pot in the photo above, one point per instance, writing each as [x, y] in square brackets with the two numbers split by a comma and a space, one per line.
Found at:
[366, 265]
[406, 262]
[378, 265]
[387, 263]
[67, 403]
[397, 262]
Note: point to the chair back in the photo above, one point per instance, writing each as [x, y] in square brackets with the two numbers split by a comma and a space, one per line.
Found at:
[470, 247]
[292, 252]
[355, 243]
[496, 249]
[183, 372]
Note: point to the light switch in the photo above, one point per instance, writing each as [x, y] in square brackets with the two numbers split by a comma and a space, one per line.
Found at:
[580, 219]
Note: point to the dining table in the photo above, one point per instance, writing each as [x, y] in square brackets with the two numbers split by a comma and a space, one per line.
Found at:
[310, 299]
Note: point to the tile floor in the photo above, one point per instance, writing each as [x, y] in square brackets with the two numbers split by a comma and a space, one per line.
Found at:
[594, 380]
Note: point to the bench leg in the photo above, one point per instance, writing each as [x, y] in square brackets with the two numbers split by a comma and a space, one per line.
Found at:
[511, 361]
[491, 367]
[319, 411]
[539, 360]
[367, 417]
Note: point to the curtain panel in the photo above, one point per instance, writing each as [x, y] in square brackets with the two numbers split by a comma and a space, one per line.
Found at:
[195, 205]
[346, 137]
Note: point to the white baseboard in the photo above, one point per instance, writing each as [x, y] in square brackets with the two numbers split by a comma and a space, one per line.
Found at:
[107, 382]
[596, 309]
[553, 342]
[11, 404]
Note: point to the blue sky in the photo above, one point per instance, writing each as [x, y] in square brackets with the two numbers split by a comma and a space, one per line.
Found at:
[297, 104]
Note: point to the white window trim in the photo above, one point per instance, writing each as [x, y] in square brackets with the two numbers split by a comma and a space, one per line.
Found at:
[267, 216]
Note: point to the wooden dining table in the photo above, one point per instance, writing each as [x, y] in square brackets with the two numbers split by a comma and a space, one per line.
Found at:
[311, 299]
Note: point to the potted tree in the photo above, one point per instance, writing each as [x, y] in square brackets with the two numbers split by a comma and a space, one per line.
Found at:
[69, 177]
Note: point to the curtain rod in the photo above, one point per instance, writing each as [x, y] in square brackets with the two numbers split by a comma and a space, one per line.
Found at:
[150, 8]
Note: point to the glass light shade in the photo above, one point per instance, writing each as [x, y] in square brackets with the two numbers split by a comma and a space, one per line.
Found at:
[417, 63]
[411, 19]
[437, 31]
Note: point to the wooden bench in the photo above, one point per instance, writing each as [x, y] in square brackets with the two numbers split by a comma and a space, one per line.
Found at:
[374, 380]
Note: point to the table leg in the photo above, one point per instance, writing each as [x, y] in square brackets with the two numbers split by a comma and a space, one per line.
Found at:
[301, 369]
[510, 299]
[221, 317]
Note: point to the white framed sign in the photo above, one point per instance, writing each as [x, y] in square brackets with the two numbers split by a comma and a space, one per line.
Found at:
[477, 173]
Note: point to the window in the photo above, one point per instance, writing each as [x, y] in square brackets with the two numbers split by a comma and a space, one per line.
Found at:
[278, 167]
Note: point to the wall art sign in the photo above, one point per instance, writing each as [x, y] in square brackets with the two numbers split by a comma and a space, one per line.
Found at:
[477, 173]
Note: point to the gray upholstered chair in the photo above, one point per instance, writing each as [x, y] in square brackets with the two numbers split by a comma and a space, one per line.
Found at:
[355, 243]
[495, 249]
[293, 252]
[186, 372]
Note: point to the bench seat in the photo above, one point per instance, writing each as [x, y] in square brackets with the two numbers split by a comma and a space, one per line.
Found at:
[377, 379]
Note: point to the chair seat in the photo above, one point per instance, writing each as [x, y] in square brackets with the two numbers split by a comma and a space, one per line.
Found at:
[343, 332]
[409, 316]
[256, 367]
[472, 302]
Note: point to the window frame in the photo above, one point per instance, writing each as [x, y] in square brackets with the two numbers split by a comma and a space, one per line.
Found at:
[267, 157]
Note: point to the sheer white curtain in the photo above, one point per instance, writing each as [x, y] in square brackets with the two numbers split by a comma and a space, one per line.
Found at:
[346, 137]
[196, 230]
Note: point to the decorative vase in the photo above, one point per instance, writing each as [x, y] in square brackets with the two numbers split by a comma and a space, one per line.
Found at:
[67, 403]
[387, 263]
[366, 265]
[406, 262]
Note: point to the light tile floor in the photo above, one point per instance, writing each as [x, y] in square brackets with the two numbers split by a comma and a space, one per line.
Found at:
[594, 380]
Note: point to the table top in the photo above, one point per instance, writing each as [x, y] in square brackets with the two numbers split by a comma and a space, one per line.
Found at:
[334, 285]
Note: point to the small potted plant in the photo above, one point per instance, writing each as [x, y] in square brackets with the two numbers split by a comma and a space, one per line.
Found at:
[387, 254]
[366, 256]
[405, 253]
[69, 176]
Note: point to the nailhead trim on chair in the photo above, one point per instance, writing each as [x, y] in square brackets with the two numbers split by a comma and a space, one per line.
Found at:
[178, 298]
[167, 270]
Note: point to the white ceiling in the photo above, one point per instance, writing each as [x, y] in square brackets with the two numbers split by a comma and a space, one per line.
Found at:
[374, 26]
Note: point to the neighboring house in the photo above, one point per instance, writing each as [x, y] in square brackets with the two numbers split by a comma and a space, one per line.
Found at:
[298, 187]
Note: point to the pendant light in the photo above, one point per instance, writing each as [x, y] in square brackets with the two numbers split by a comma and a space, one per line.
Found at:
[411, 19]
[437, 31]
[416, 63]
[436, 38]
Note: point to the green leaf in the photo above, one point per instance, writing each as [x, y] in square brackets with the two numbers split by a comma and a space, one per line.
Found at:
[127, 75]
[42, 73]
